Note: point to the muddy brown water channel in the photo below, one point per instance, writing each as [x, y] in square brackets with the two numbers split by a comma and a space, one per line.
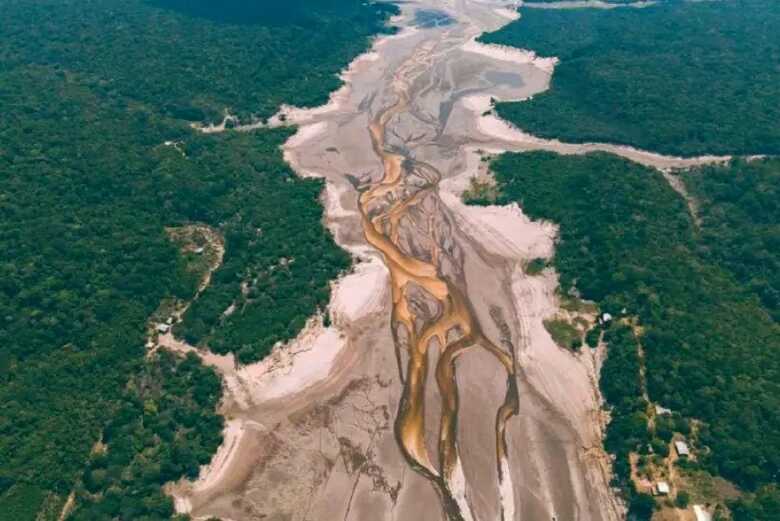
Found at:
[429, 310]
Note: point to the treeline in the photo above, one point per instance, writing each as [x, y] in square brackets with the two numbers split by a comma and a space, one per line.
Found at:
[628, 243]
[95, 95]
[682, 78]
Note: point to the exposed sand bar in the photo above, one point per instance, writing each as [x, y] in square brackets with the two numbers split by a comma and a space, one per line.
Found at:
[511, 54]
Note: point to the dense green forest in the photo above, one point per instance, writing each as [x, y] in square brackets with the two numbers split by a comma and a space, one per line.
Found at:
[276, 244]
[164, 428]
[763, 506]
[628, 242]
[91, 92]
[685, 78]
[192, 61]
[739, 208]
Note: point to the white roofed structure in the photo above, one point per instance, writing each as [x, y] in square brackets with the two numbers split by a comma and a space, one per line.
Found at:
[682, 449]
[662, 488]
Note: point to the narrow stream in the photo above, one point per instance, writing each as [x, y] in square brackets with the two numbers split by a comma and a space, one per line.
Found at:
[408, 185]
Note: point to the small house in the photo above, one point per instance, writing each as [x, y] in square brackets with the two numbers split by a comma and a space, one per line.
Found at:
[682, 449]
[662, 411]
[163, 328]
[662, 488]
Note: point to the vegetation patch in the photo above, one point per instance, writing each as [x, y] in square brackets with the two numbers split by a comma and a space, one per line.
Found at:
[482, 192]
[201, 249]
[593, 337]
[564, 333]
[682, 78]
[535, 266]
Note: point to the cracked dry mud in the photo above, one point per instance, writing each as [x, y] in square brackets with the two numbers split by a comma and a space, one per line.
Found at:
[446, 400]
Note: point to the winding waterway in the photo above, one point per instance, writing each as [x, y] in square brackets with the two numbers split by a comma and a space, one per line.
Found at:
[447, 322]
[438, 394]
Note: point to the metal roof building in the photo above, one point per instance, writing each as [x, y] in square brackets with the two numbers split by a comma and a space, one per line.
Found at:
[682, 449]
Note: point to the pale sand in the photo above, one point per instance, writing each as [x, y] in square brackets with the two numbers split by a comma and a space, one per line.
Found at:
[500, 230]
[306, 360]
[555, 372]
[478, 103]
[570, 381]
[507, 231]
[293, 367]
[279, 374]
[290, 369]
[504, 230]
[224, 364]
[334, 199]
[306, 133]
[506, 490]
[211, 474]
[511, 54]
[567, 380]
[509, 14]
[403, 33]
[701, 514]
[473, 168]
[360, 293]
[212, 128]
[579, 4]
[68, 506]
[457, 484]
[290, 115]
[337, 216]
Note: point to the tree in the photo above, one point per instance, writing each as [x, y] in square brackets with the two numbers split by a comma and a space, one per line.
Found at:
[641, 507]
[682, 499]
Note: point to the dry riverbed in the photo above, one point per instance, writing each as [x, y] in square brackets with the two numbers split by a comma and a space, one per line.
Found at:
[435, 392]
